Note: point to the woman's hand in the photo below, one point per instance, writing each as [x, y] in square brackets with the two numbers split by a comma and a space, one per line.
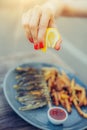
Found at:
[38, 19]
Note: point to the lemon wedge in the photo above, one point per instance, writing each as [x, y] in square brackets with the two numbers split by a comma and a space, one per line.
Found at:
[52, 36]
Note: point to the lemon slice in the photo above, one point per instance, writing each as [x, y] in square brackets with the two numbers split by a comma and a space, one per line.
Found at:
[51, 38]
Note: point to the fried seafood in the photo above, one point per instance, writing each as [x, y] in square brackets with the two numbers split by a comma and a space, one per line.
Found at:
[31, 87]
[37, 87]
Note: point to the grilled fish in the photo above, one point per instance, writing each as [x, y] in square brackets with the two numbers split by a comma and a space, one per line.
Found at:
[31, 87]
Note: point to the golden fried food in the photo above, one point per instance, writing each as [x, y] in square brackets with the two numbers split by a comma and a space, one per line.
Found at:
[79, 109]
[48, 82]
[65, 92]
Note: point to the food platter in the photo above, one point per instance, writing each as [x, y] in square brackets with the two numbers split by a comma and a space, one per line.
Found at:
[38, 117]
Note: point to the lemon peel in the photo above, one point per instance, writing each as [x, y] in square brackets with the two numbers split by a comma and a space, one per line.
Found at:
[52, 36]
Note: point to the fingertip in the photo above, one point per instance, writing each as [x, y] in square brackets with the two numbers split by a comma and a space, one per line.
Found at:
[58, 45]
[31, 40]
[41, 37]
[36, 46]
[41, 44]
[58, 48]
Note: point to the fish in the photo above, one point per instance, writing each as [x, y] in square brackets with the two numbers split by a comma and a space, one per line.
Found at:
[31, 88]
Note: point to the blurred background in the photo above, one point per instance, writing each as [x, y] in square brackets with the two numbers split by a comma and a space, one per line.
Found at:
[73, 32]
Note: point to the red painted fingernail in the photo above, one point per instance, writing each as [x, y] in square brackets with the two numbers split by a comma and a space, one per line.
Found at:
[58, 46]
[31, 40]
[36, 46]
[41, 45]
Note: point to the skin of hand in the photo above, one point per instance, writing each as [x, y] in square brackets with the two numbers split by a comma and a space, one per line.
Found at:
[38, 19]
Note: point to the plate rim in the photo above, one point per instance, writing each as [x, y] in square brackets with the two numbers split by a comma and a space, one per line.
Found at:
[15, 110]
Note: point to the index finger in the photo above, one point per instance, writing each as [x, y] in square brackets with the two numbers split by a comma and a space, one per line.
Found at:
[44, 22]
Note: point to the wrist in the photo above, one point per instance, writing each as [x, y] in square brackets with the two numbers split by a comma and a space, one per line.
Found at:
[65, 4]
[56, 6]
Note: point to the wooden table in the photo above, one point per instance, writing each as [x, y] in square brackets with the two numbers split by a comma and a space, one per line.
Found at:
[9, 120]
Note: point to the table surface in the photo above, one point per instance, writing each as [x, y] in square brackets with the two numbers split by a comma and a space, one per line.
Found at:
[9, 120]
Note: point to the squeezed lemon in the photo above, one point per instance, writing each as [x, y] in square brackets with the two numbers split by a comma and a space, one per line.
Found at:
[52, 36]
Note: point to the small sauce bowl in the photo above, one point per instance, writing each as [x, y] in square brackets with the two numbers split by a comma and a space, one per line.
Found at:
[57, 115]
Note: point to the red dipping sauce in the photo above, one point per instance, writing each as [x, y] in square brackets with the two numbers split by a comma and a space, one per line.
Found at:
[57, 114]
